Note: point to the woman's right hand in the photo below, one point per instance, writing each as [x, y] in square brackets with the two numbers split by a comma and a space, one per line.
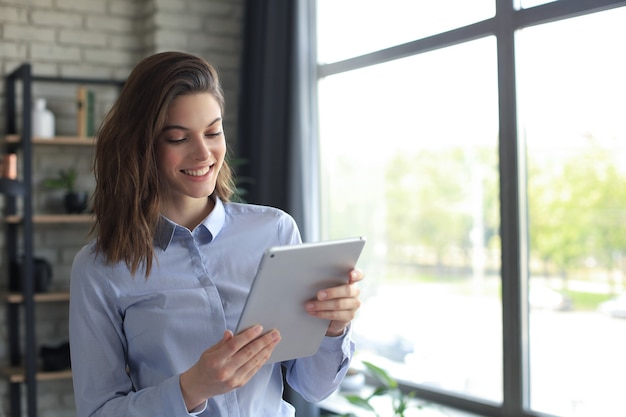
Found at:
[227, 365]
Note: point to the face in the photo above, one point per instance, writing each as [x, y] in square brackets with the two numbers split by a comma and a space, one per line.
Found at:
[191, 148]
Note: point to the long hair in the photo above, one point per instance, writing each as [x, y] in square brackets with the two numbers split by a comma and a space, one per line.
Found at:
[127, 199]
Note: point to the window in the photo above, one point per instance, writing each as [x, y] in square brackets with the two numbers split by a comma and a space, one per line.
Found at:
[410, 148]
[572, 102]
[356, 27]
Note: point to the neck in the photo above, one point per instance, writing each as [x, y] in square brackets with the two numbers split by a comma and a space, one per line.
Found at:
[190, 213]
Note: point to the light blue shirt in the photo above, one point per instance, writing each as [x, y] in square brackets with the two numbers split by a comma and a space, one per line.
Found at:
[132, 337]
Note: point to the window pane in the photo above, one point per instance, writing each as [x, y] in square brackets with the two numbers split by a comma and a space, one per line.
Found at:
[356, 27]
[572, 95]
[409, 158]
[526, 4]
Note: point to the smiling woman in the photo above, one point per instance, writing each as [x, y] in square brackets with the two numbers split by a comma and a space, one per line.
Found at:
[124, 167]
[156, 296]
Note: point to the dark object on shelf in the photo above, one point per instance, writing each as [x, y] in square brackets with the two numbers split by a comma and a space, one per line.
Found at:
[76, 202]
[42, 273]
[55, 358]
[8, 180]
[11, 187]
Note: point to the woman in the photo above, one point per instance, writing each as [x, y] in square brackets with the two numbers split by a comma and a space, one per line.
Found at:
[155, 296]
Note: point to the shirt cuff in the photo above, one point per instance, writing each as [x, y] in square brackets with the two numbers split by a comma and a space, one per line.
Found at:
[342, 343]
[338, 342]
[198, 410]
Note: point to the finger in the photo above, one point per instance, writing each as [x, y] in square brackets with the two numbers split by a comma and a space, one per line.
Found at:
[340, 309]
[342, 291]
[255, 363]
[222, 343]
[256, 353]
[247, 359]
[336, 328]
[336, 315]
[356, 275]
[254, 346]
[337, 304]
[243, 338]
[343, 316]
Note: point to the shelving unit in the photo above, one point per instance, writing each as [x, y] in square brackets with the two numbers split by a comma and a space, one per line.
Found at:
[23, 371]
[58, 140]
[50, 218]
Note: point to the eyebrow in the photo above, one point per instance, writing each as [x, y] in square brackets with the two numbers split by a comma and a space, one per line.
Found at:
[178, 127]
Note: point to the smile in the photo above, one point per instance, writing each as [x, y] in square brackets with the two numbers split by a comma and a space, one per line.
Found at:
[197, 172]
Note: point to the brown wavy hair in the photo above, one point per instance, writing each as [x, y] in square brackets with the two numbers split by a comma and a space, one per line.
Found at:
[127, 199]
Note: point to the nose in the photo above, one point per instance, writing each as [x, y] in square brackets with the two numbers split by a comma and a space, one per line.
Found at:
[201, 150]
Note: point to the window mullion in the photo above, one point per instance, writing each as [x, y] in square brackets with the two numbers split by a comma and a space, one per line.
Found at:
[514, 293]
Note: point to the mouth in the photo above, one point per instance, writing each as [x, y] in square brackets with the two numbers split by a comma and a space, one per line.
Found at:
[197, 172]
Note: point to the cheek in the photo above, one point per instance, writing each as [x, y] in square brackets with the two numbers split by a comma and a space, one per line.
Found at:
[219, 151]
[165, 160]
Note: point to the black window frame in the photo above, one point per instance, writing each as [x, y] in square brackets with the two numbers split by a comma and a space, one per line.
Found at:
[507, 20]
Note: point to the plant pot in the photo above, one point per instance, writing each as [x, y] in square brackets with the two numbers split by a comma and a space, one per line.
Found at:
[42, 272]
[75, 202]
[55, 358]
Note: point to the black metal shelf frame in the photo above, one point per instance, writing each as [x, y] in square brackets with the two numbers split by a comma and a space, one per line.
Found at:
[23, 189]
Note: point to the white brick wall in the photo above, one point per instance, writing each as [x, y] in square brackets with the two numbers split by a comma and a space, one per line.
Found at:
[103, 39]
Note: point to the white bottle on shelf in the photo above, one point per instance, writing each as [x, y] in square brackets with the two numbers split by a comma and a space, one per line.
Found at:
[42, 120]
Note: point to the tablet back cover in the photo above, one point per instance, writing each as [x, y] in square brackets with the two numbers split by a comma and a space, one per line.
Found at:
[287, 277]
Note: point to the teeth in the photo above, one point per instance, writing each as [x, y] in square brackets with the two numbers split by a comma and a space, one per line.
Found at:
[196, 172]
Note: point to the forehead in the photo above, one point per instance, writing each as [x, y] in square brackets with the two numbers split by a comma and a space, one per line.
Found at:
[190, 108]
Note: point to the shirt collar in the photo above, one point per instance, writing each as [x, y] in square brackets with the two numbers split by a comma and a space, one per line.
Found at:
[213, 223]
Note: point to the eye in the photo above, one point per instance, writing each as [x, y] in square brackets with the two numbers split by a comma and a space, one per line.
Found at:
[175, 140]
[213, 134]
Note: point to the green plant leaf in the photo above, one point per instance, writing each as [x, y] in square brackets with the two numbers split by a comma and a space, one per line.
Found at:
[381, 391]
[65, 180]
[381, 375]
[359, 402]
[400, 401]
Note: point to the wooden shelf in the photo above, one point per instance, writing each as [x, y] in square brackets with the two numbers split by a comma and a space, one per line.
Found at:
[57, 140]
[44, 297]
[53, 218]
[16, 375]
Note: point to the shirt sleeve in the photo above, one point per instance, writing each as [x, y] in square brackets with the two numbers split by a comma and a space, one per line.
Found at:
[318, 376]
[102, 387]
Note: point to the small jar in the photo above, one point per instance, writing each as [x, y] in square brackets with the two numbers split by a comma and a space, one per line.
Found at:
[9, 166]
[42, 120]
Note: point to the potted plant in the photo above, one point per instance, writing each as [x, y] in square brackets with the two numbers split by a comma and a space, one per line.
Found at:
[386, 386]
[75, 201]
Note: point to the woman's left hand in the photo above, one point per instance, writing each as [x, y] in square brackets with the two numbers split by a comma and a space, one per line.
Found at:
[337, 304]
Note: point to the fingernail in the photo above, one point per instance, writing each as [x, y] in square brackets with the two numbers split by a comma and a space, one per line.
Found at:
[274, 335]
[322, 295]
[310, 306]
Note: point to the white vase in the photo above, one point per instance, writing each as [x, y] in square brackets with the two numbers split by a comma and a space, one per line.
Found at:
[42, 120]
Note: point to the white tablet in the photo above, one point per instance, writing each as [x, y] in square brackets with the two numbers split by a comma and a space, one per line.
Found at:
[287, 277]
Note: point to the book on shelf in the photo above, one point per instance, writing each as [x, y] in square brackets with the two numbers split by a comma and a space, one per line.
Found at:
[85, 115]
